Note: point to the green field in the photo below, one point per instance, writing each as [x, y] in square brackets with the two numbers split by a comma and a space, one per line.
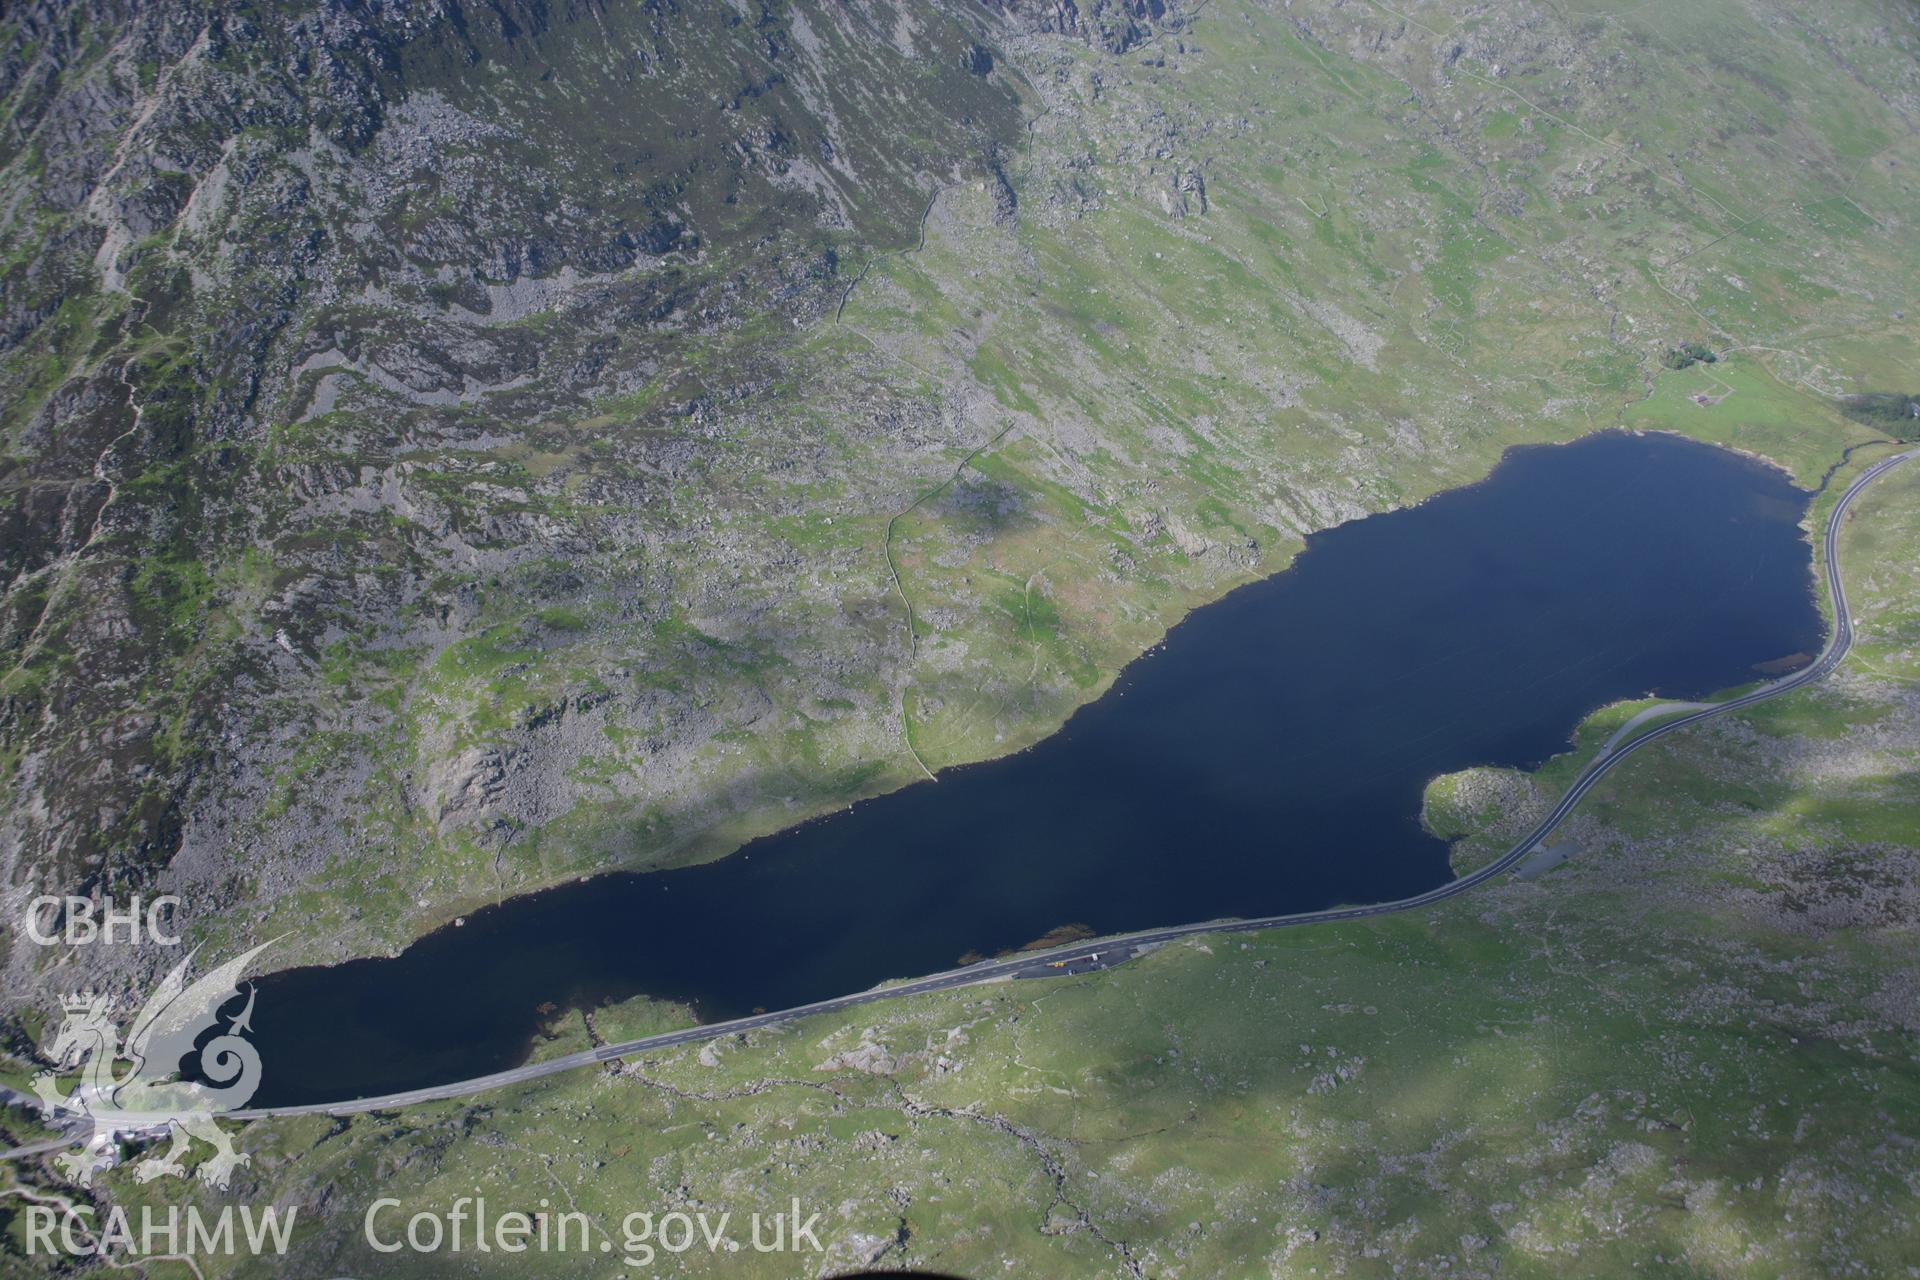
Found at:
[1688, 1050]
[872, 471]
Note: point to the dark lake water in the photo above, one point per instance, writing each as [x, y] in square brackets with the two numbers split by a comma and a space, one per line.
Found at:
[1270, 758]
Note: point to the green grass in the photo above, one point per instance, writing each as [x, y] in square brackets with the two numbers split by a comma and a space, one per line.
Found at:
[1677, 1054]
[1408, 263]
[1629, 1065]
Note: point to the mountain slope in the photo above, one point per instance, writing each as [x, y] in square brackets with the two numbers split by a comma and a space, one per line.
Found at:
[454, 450]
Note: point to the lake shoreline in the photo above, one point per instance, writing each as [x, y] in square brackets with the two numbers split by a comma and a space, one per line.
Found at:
[1088, 831]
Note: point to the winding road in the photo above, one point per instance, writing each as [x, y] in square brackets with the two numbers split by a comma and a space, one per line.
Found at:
[1128, 944]
[1089, 954]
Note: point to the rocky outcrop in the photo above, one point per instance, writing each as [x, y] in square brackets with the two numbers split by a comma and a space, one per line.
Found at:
[324, 282]
[1114, 25]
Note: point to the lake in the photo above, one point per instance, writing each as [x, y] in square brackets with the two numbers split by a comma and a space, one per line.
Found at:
[1269, 758]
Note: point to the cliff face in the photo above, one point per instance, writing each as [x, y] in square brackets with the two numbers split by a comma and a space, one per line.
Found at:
[267, 263]
[1114, 25]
